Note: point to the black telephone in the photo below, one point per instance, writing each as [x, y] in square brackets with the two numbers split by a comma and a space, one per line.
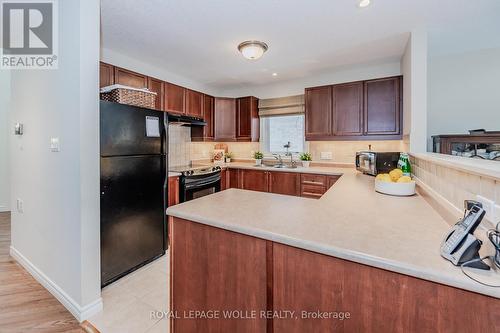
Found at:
[460, 245]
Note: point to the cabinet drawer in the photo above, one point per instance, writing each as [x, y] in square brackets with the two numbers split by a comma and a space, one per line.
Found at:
[312, 191]
[310, 179]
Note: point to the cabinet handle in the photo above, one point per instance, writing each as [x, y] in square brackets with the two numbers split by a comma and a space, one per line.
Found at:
[308, 182]
[312, 194]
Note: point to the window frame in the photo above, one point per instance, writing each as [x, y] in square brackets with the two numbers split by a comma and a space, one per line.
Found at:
[264, 137]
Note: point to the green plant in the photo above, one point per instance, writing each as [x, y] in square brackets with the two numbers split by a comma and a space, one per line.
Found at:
[229, 155]
[258, 155]
[305, 157]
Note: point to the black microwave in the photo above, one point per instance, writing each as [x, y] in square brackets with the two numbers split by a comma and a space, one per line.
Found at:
[373, 163]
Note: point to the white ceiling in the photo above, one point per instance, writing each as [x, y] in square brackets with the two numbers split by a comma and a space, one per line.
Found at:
[198, 39]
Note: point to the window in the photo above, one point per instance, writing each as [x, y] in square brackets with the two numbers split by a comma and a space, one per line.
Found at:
[277, 131]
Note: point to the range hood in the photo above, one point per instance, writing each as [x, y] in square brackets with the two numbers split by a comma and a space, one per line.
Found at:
[179, 120]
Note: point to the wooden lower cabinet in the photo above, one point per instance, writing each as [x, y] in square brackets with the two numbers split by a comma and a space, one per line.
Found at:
[284, 183]
[215, 269]
[173, 191]
[223, 180]
[254, 180]
[233, 178]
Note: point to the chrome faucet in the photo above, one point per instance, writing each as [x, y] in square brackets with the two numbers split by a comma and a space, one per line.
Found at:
[280, 160]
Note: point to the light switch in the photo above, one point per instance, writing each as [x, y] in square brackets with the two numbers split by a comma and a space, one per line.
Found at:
[54, 145]
[19, 129]
[326, 155]
[20, 205]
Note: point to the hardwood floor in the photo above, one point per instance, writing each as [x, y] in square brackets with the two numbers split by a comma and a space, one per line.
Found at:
[25, 306]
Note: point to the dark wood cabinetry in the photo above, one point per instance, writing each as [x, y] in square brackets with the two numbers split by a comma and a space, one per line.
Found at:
[173, 191]
[194, 103]
[284, 183]
[233, 178]
[156, 86]
[318, 119]
[216, 269]
[254, 180]
[348, 109]
[106, 74]
[175, 98]
[382, 106]
[247, 119]
[364, 110]
[131, 79]
[225, 119]
[205, 133]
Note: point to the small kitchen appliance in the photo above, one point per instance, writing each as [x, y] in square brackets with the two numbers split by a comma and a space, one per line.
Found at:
[373, 163]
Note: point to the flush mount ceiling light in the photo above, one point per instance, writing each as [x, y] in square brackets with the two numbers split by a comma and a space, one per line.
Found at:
[363, 3]
[252, 49]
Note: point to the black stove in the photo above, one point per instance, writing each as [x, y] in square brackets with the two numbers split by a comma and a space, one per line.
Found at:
[190, 171]
[198, 181]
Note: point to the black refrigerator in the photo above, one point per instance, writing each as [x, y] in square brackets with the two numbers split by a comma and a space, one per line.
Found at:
[133, 188]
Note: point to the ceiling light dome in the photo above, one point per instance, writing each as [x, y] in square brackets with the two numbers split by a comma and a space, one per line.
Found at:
[252, 49]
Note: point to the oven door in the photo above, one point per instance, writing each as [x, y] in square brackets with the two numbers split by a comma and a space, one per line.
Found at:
[197, 187]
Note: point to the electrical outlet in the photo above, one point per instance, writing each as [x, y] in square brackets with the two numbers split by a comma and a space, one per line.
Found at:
[488, 206]
[20, 206]
[326, 155]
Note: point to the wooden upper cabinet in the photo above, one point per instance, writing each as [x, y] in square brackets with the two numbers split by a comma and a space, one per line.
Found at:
[194, 103]
[284, 183]
[106, 75]
[254, 180]
[175, 98]
[225, 119]
[131, 79]
[156, 86]
[348, 109]
[318, 122]
[205, 133]
[382, 103]
[247, 119]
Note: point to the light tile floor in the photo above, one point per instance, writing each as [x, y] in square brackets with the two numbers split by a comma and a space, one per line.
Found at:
[128, 302]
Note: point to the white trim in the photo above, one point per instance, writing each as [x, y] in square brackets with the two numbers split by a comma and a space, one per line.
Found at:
[4, 209]
[81, 313]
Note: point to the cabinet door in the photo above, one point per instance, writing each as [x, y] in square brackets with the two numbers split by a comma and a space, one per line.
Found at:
[225, 119]
[254, 180]
[194, 103]
[348, 109]
[214, 270]
[173, 191]
[233, 178]
[382, 106]
[205, 133]
[318, 112]
[156, 86]
[174, 98]
[247, 119]
[131, 79]
[106, 75]
[284, 183]
[223, 180]
[332, 180]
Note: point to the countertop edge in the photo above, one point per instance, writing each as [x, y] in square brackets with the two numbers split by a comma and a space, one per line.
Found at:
[341, 253]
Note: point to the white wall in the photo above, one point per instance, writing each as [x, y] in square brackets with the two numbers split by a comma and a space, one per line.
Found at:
[464, 92]
[4, 141]
[127, 62]
[414, 70]
[57, 236]
[339, 75]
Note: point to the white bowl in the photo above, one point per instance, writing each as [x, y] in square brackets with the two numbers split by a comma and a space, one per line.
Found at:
[399, 189]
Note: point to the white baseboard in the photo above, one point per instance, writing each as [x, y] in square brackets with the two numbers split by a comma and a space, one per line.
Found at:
[81, 313]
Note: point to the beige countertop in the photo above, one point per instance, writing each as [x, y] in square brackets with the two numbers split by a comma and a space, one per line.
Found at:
[174, 174]
[299, 169]
[351, 221]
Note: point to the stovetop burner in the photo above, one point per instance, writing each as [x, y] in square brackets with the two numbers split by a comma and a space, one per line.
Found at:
[189, 170]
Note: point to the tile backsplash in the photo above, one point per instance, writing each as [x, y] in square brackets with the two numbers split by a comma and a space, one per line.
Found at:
[203, 150]
[179, 140]
[345, 151]
[454, 185]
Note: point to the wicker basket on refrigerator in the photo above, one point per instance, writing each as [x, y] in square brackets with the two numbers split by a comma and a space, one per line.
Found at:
[128, 95]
